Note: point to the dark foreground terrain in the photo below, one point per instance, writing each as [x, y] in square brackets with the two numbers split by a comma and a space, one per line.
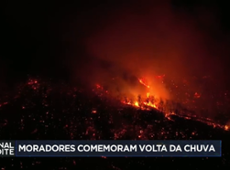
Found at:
[42, 110]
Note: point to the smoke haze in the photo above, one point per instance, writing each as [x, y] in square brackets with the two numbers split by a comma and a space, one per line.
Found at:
[153, 39]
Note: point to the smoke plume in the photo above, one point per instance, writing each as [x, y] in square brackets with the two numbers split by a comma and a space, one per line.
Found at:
[154, 39]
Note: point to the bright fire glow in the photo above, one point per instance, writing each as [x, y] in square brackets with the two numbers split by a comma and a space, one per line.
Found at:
[149, 101]
[136, 104]
[142, 82]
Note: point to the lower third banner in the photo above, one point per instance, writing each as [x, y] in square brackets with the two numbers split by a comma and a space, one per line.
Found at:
[112, 148]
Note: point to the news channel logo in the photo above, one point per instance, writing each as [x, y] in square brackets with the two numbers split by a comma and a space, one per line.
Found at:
[7, 148]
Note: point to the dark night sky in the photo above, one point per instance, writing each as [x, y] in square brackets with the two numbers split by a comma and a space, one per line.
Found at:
[37, 38]
[33, 34]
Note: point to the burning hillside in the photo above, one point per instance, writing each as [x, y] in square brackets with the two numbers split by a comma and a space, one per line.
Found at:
[166, 49]
[145, 100]
[42, 109]
[35, 88]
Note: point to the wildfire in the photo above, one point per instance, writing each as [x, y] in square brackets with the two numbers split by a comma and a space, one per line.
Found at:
[136, 104]
[150, 102]
[142, 82]
[148, 95]
[145, 104]
[142, 105]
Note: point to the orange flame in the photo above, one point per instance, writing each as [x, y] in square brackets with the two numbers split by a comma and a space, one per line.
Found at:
[142, 82]
[148, 104]
[136, 104]
[148, 95]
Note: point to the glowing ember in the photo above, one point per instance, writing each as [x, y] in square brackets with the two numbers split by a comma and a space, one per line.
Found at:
[142, 82]
[136, 104]
[98, 86]
[197, 95]
[94, 111]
